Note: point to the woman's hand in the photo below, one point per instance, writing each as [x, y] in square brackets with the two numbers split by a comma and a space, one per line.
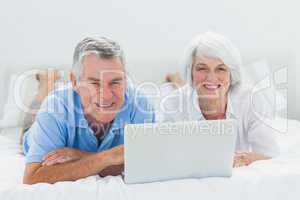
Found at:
[63, 155]
[246, 158]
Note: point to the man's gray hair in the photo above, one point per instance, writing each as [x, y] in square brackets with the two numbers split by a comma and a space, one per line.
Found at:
[100, 46]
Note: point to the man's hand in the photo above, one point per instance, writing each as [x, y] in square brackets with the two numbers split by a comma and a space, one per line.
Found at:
[63, 155]
[246, 158]
[88, 165]
[115, 156]
[113, 170]
[115, 159]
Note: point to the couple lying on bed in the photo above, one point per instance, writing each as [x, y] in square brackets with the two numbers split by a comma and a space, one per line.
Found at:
[78, 130]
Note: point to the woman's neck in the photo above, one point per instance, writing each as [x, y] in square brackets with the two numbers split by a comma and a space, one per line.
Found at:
[213, 108]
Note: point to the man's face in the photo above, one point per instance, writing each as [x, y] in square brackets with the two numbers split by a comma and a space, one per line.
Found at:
[102, 88]
[210, 76]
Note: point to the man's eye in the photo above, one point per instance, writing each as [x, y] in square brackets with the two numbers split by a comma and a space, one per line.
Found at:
[94, 83]
[222, 69]
[115, 83]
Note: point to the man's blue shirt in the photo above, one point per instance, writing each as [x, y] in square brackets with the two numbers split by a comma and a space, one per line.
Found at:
[60, 122]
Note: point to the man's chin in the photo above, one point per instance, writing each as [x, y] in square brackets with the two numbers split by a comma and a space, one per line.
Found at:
[103, 121]
[105, 118]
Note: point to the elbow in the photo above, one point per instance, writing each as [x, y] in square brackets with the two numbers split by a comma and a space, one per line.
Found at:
[29, 180]
[34, 179]
[35, 173]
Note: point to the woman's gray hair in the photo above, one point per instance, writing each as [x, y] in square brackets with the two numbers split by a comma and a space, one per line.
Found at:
[213, 45]
[100, 46]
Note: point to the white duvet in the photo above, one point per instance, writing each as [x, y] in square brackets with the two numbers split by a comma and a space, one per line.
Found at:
[278, 178]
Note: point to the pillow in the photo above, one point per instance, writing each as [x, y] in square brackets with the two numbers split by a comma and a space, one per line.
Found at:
[4, 84]
[272, 84]
[155, 93]
[21, 91]
[11, 134]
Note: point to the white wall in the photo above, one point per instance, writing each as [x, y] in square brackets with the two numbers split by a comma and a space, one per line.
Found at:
[153, 33]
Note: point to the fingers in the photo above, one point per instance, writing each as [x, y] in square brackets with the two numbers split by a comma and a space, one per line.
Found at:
[55, 157]
[238, 163]
[61, 155]
[58, 160]
[242, 159]
[52, 158]
[239, 159]
[50, 154]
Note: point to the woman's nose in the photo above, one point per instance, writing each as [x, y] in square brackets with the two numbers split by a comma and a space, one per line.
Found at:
[211, 76]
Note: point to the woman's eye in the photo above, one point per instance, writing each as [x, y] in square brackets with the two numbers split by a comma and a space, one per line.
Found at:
[223, 69]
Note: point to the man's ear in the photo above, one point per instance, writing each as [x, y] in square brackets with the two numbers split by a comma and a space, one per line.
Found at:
[73, 80]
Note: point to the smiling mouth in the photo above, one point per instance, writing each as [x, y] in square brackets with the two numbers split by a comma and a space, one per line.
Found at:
[105, 106]
[212, 87]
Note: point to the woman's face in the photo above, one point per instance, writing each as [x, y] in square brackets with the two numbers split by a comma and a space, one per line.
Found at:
[210, 76]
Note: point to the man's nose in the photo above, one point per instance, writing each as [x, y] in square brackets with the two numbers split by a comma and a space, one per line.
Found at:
[106, 94]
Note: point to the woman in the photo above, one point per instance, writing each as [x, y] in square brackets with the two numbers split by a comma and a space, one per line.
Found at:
[213, 90]
[47, 80]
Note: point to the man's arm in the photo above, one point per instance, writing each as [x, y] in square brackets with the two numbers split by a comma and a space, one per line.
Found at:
[65, 155]
[71, 171]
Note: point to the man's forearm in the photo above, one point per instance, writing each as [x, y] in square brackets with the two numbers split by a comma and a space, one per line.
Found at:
[87, 166]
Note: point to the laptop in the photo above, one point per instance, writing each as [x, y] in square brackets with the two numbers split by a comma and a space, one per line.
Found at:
[166, 151]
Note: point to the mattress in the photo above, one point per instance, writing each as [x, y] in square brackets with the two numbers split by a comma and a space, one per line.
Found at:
[278, 178]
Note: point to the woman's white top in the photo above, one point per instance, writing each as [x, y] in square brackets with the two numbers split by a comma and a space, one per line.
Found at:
[250, 111]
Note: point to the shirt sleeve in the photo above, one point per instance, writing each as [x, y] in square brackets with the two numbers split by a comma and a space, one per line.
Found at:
[174, 106]
[169, 109]
[261, 135]
[46, 134]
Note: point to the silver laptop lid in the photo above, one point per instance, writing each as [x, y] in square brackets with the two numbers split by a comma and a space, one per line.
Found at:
[164, 151]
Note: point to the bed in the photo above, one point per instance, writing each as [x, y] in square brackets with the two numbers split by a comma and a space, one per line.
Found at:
[278, 178]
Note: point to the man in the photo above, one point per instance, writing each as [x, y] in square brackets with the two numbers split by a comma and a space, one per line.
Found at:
[78, 131]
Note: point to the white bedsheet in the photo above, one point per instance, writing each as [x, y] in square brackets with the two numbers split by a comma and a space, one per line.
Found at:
[277, 178]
